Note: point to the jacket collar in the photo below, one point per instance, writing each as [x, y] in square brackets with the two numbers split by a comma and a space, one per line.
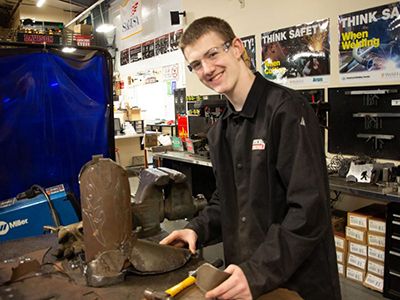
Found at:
[251, 103]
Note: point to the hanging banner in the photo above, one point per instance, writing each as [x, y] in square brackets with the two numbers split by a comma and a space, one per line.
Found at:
[369, 44]
[131, 19]
[249, 43]
[135, 53]
[124, 59]
[162, 44]
[297, 55]
[174, 38]
[148, 49]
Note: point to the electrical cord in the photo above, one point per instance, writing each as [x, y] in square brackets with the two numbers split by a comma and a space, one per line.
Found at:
[53, 211]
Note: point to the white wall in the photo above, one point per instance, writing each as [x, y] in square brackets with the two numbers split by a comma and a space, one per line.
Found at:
[260, 16]
[152, 98]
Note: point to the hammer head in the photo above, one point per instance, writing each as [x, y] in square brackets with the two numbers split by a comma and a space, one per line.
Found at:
[154, 295]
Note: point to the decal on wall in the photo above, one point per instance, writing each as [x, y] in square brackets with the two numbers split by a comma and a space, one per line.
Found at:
[158, 46]
[124, 57]
[249, 43]
[297, 55]
[369, 44]
[131, 19]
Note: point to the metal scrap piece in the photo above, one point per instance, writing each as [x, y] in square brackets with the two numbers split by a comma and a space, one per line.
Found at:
[209, 277]
[106, 269]
[151, 258]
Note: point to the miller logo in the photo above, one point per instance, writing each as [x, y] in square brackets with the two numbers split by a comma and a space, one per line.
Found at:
[4, 228]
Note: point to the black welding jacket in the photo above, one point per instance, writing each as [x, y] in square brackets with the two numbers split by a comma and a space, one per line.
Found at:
[271, 207]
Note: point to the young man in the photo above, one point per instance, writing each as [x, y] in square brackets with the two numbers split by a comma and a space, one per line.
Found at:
[271, 207]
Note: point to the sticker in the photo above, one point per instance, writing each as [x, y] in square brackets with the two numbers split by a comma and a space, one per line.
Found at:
[258, 144]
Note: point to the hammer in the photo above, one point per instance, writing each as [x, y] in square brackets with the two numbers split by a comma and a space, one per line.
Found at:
[170, 293]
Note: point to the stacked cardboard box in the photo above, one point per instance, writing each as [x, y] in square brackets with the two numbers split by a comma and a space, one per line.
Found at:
[376, 253]
[338, 224]
[365, 235]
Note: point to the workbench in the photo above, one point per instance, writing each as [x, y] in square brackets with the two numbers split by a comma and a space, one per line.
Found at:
[365, 190]
[195, 167]
[198, 169]
[132, 288]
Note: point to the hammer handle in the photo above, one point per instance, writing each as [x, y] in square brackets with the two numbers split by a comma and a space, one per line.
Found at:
[181, 286]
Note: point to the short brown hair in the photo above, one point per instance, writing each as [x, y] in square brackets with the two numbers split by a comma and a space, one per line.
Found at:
[202, 26]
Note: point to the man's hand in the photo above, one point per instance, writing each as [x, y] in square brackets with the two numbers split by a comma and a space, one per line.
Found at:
[235, 287]
[181, 238]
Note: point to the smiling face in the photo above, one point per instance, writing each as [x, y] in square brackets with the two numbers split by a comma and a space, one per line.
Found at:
[217, 65]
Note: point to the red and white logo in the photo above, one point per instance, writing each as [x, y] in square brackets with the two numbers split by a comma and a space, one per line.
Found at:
[258, 144]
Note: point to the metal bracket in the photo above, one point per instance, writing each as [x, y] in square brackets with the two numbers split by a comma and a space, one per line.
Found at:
[376, 138]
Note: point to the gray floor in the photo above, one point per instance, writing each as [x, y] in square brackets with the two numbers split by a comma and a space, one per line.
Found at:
[350, 290]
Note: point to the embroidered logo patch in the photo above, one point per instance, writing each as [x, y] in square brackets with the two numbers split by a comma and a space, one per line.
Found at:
[258, 144]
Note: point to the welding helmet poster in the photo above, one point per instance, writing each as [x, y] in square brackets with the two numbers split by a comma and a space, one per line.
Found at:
[298, 54]
[369, 44]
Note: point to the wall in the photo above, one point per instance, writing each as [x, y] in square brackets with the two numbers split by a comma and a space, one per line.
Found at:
[156, 99]
[258, 16]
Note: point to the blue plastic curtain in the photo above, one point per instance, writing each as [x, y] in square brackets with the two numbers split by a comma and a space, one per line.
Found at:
[54, 115]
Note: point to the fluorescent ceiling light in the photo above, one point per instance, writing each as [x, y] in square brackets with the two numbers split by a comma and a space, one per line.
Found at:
[104, 28]
[68, 49]
[40, 3]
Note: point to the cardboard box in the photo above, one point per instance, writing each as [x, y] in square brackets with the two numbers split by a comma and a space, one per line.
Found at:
[373, 282]
[377, 225]
[357, 261]
[137, 160]
[340, 241]
[359, 217]
[359, 249]
[355, 274]
[83, 29]
[356, 235]
[338, 220]
[340, 256]
[375, 267]
[134, 114]
[341, 269]
[376, 254]
[376, 240]
[150, 139]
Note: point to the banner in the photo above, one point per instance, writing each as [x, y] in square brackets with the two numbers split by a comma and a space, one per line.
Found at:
[249, 43]
[135, 53]
[162, 44]
[148, 49]
[369, 44]
[131, 19]
[297, 55]
[174, 38]
[124, 59]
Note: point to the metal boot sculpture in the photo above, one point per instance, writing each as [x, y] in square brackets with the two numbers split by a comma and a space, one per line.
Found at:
[110, 247]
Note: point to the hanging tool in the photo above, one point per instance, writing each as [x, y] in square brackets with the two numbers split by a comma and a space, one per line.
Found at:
[170, 293]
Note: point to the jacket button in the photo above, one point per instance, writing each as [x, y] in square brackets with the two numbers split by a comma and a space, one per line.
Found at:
[239, 166]
[243, 219]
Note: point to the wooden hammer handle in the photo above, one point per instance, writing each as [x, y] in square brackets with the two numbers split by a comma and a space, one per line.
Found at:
[181, 286]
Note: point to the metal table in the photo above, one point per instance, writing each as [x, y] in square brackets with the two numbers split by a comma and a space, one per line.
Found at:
[132, 288]
[366, 190]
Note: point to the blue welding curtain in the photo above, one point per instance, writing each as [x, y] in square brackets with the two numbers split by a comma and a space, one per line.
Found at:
[55, 113]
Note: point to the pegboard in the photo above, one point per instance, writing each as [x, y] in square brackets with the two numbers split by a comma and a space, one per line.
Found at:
[365, 121]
